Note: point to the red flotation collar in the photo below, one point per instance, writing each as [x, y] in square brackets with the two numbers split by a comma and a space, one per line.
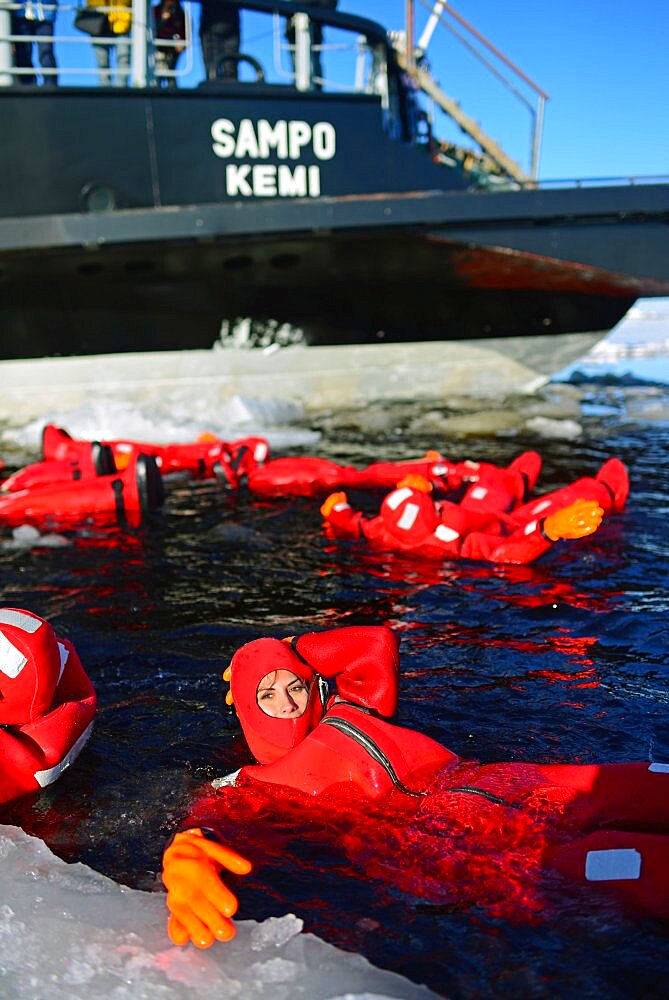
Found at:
[270, 739]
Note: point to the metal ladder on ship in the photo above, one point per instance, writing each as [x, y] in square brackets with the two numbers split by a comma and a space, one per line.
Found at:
[410, 56]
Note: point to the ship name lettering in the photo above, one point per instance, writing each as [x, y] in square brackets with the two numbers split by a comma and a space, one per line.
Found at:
[266, 180]
[287, 140]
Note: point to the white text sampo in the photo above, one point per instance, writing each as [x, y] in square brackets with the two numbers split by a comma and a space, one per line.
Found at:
[284, 140]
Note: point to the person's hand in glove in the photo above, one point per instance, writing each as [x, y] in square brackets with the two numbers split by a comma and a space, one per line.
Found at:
[200, 904]
[330, 502]
[580, 518]
[415, 482]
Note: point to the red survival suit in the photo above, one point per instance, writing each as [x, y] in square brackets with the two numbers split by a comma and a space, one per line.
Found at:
[477, 528]
[47, 704]
[87, 462]
[466, 828]
[208, 457]
[309, 476]
[125, 497]
[365, 664]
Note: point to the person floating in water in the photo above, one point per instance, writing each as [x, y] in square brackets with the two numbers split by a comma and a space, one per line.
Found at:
[47, 704]
[208, 457]
[316, 713]
[51, 495]
[310, 475]
[480, 527]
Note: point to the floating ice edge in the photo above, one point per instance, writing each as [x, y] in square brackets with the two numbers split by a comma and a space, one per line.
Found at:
[66, 931]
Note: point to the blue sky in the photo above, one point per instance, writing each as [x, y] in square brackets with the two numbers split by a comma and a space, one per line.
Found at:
[604, 64]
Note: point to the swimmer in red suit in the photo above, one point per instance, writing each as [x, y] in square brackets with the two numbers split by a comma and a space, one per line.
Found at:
[308, 475]
[316, 709]
[125, 498]
[90, 460]
[481, 526]
[47, 704]
[207, 458]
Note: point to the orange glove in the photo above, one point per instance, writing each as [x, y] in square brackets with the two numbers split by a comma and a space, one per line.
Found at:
[200, 904]
[122, 458]
[415, 481]
[580, 518]
[331, 502]
[227, 676]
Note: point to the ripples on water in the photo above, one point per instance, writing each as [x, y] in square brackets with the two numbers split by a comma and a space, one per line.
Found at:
[564, 660]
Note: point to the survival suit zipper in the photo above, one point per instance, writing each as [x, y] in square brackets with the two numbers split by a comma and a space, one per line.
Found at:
[375, 751]
[372, 748]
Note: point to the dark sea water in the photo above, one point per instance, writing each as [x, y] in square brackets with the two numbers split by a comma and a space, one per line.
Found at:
[562, 661]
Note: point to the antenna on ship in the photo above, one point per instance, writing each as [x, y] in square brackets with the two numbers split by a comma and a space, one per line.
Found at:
[411, 58]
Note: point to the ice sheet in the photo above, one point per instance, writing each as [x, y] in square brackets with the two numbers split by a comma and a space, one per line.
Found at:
[68, 932]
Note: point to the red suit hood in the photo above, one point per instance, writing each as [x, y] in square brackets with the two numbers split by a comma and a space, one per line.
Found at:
[30, 666]
[270, 739]
[409, 514]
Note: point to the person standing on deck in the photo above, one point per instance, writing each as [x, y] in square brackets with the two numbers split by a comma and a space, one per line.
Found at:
[169, 24]
[119, 17]
[35, 21]
[219, 35]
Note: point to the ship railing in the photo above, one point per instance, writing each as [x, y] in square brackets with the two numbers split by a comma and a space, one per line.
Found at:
[299, 63]
[302, 61]
[412, 54]
[584, 182]
[370, 75]
[142, 43]
[506, 184]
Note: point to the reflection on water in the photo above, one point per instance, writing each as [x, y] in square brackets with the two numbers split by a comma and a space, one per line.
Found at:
[564, 660]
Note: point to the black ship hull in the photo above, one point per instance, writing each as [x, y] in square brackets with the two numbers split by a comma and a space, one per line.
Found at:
[140, 219]
[345, 270]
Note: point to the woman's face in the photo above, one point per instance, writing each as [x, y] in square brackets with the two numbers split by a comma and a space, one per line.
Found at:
[282, 695]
